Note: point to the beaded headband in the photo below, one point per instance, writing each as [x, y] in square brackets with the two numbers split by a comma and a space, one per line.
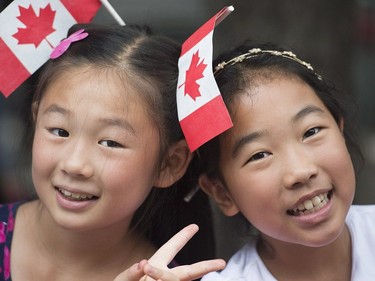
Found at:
[256, 52]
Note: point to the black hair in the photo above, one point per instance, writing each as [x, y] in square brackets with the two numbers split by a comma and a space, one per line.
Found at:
[150, 64]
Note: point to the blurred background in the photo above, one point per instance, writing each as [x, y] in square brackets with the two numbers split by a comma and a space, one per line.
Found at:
[336, 36]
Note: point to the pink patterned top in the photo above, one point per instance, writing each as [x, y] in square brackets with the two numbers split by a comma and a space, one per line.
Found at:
[7, 220]
[7, 216]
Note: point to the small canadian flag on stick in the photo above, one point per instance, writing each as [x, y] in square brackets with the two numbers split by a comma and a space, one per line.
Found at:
[29, 30]
[201, 110]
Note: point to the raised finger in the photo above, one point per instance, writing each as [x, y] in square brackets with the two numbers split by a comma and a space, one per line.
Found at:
[168, 251]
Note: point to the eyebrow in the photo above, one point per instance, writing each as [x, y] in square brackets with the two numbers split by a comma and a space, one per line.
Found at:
[306, 111]
[115, 122]
[242, 141]
[55, 109]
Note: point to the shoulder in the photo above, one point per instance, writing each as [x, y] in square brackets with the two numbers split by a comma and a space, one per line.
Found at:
[361, 213]
[243, 265]
[8, 211]
[7, 219]
[361, 217]
[361, 224]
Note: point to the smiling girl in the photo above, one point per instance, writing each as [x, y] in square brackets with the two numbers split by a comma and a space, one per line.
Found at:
[286, 167]
[107, 147]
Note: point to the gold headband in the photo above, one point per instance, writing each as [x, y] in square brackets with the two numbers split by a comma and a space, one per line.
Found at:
[256, 52]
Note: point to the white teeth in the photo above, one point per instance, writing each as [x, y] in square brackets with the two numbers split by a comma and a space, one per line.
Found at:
[75, 196]
[65, 192]
[316, 200]
[310, 205]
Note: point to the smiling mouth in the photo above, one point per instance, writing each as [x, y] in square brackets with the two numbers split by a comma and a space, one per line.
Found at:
[76, 196]
[311, 205]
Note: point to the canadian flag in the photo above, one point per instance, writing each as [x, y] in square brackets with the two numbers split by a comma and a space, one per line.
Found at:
[201, 109]
[29, 30]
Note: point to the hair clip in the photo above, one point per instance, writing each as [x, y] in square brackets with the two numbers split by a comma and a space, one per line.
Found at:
[65, 43]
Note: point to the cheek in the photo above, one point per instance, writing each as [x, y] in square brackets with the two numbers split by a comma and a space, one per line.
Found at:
[125, 191]
[41, 169]
[346, 178]
[261, 205]
[263, 212]
[41, 157]
[255, 196]
[127, 179]
[340, 166]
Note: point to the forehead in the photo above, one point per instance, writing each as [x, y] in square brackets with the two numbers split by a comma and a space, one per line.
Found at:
[269, 101]
[273, 87]
[93, 87]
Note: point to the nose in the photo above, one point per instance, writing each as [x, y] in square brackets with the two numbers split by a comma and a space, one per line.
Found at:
[76, 161]
[299, 168]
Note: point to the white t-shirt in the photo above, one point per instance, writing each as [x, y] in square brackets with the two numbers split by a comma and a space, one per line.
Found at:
[246, 265]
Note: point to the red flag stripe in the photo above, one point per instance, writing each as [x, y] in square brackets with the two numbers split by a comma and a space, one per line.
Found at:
[83, 11]
[203, 31]
[12, 71]
[198, 35]
[209, 120]
[28, 60]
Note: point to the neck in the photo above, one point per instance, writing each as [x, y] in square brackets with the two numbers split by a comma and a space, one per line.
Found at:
[288, 261]
[114, 245]
[43, 250]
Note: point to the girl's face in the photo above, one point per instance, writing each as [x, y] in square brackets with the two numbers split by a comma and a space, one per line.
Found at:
[95, 150]
[286, 166]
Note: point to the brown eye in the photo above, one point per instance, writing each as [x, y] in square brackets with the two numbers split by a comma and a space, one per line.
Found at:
[110, 143]
[311, 132]
[60, 132]
[258, 156]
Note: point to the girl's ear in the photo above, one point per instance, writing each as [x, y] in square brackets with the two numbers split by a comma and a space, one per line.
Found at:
[174, 165]
[217, 191]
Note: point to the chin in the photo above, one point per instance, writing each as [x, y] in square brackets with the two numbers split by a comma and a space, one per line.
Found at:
[325, 239]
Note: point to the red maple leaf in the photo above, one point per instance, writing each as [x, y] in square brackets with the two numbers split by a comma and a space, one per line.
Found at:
[193, 74]
[37, 27]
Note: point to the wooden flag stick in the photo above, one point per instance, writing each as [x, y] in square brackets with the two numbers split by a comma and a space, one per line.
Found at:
[113, 12]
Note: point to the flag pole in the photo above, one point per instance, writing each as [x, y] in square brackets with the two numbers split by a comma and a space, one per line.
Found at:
[224, 14]
[113, 12]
